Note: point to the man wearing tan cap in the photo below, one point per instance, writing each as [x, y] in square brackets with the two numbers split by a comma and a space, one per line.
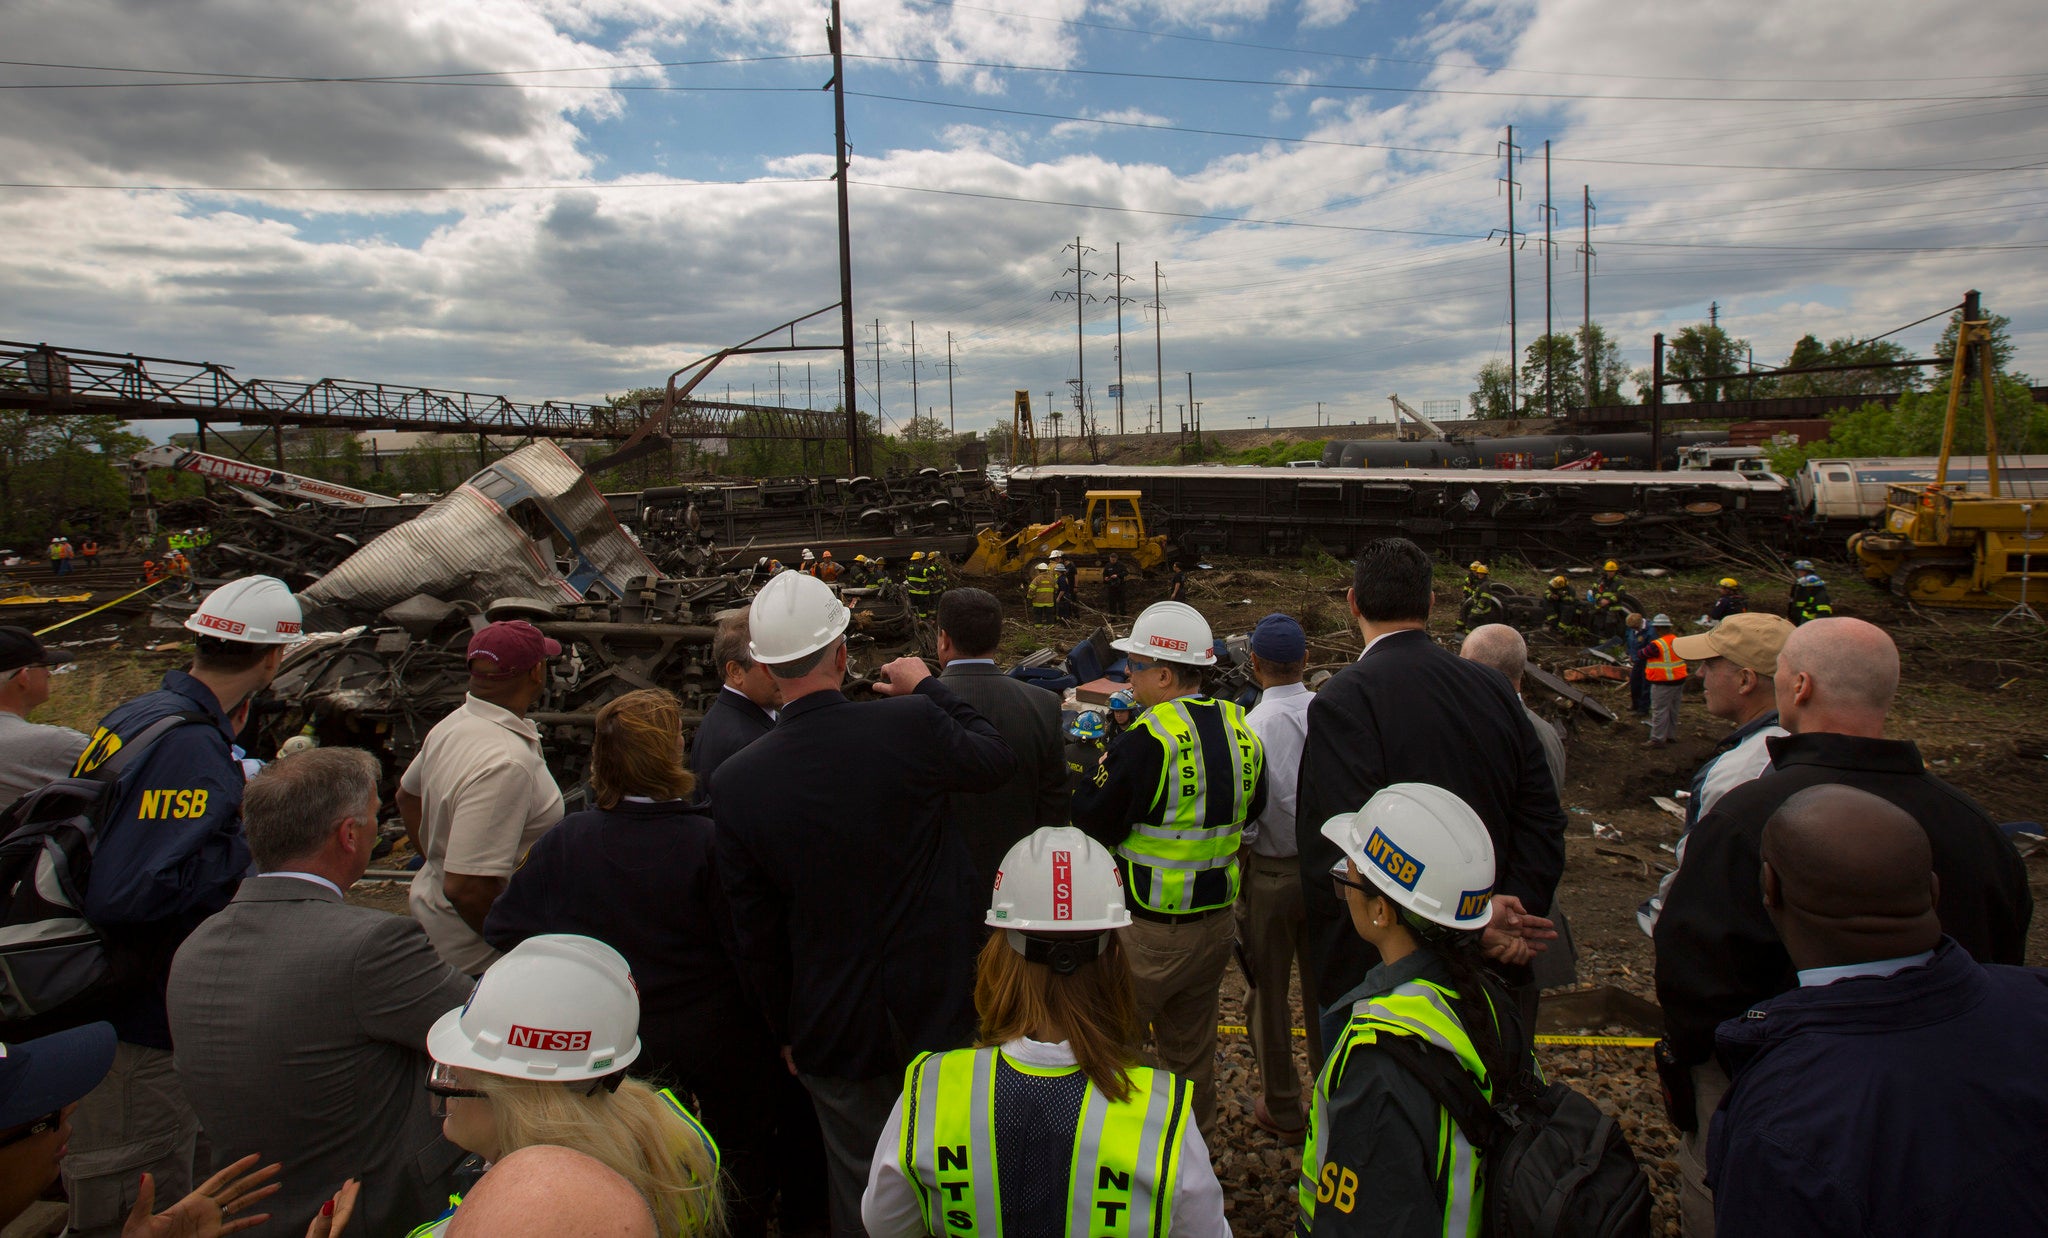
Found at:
[1738, 658]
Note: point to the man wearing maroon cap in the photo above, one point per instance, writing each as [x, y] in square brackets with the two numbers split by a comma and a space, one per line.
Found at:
[479, 793]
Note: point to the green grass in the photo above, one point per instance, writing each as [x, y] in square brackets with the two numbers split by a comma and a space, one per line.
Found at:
[1278, 453]
[102, 680]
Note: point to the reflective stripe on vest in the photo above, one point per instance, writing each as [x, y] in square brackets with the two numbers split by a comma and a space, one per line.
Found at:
[1042, 591]
[1165, 856]
[1422, 1009]
[1664, 665]
[1122, 1177]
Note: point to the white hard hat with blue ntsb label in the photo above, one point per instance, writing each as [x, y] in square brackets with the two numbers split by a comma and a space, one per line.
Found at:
[1425, 850]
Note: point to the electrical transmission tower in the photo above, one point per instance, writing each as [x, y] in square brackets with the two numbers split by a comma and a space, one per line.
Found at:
[1549, 260]
[1158, 309]
[1585, 257]
[1513, 240]
[1119, 300]
[1080, 298]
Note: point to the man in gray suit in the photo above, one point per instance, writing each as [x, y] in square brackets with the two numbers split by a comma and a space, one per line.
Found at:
[991, 822]
[300, 1022]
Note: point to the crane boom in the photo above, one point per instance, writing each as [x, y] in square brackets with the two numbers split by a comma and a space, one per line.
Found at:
[1432, 429]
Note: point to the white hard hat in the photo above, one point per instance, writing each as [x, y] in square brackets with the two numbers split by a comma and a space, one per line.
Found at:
[1038, 567]
[1059, 554]
[255, 610]
[1425, 849]
[1660, 621]
[792, 617]
[556, 1007]
[297, 744]
[1171, 632]
[808, 556]
[1057, 879]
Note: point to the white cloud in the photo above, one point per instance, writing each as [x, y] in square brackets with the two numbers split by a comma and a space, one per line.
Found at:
[582, 291]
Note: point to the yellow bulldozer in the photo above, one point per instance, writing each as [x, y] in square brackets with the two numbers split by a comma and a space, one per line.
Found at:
[1109, 520]
[1942, 544]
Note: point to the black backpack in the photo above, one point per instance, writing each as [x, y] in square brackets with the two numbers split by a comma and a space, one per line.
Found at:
[1556, 1167]
[50, 955]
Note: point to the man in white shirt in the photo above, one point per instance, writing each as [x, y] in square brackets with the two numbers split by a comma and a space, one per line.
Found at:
[31, 753]
[479, 793]
[1269, 913]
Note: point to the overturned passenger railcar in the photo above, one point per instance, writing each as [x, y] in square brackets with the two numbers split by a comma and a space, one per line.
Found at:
[1221, 509]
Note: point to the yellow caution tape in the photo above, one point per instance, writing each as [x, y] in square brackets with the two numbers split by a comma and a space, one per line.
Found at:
[1626, 1042]
[97, 609]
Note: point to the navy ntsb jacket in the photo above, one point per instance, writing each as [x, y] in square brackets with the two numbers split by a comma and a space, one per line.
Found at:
[1912, 1104]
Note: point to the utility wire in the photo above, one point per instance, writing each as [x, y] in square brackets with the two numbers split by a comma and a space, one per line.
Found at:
[578, 185]
[1371, 88]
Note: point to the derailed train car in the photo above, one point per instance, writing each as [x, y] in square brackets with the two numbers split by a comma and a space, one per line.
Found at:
[1527, 451]
[1220, 509]
[529, 525]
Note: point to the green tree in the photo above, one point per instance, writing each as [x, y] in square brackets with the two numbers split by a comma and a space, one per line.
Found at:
[1913, 426]
[1609, 370]
[62, 475]
[1809, 351]
[1698, 353]
[1551, 366]
[1495, 398]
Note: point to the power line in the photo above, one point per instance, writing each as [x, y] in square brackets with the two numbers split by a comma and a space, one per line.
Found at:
[578, 185]
[1372, 88]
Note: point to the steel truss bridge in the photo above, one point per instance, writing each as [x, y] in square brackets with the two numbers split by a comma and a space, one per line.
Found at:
[46, 380]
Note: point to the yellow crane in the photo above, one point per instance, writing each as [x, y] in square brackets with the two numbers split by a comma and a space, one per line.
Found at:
[1943, 544]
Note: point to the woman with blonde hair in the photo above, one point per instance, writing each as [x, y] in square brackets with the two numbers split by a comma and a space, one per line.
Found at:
[1048, 1125]
[538, 1055]
[638, 873]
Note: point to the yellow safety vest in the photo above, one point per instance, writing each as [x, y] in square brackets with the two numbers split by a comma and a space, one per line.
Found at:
[439, 1225]
[1417, 1008]
[1042, 589]
[1664, 665]
[1165, 856]
[1125, 1166]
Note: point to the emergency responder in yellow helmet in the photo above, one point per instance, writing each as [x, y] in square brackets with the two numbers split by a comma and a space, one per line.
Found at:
[1383, 1156]
[539, 1055]
[1048, 1125]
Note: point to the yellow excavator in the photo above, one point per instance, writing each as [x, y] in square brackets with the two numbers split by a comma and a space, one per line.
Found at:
[1943, 544]
[1110, 520]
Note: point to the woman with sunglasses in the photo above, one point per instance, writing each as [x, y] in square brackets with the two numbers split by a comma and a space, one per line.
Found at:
[1383, 1157]
[539, 1055]
[1048, 1125]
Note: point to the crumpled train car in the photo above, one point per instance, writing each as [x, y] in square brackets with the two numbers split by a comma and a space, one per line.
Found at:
[530, 525]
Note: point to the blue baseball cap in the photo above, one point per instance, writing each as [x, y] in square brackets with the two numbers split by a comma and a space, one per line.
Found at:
[1278, 638]
[40, 1076]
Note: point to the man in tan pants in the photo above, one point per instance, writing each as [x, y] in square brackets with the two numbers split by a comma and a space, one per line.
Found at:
[1270, 918]
[1172, 798]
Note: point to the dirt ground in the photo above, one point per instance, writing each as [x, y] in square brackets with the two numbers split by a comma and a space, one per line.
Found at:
[1975, 698]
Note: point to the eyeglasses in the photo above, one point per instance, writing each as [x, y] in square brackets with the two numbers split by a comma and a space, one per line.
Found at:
[1139, 667]
[41, 1126]
[1345, 883]
[443, 1087]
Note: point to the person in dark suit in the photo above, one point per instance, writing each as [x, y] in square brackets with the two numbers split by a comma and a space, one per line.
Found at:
[854, 904]
[300, 1022]
[1411, 711]
[743, 711]
[992, 821]
[637, 873]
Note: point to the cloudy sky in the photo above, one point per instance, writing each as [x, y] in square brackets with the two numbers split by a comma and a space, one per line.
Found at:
[565, 198]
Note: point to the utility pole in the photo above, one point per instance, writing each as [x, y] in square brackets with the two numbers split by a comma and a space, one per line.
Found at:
[913, 373]
[1549, 259]
[1158, 365]
[833, 33]
[951, 428]
[880, 417]
[1120, 300]
[1194, 415]
[809, 398]
[1586, 265]
[1657, 404]
[1319, 412]
[1079, 271]
[1511, 240]
[778, 384]
[1713, 315]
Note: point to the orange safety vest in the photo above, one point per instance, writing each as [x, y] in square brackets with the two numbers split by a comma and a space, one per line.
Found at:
[1664, 666]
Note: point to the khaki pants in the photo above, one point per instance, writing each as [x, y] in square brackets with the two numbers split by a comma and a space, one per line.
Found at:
[1664, 698]
[1271, 921]
[137, 1120]
[1177, 972]
[1695, 1201]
